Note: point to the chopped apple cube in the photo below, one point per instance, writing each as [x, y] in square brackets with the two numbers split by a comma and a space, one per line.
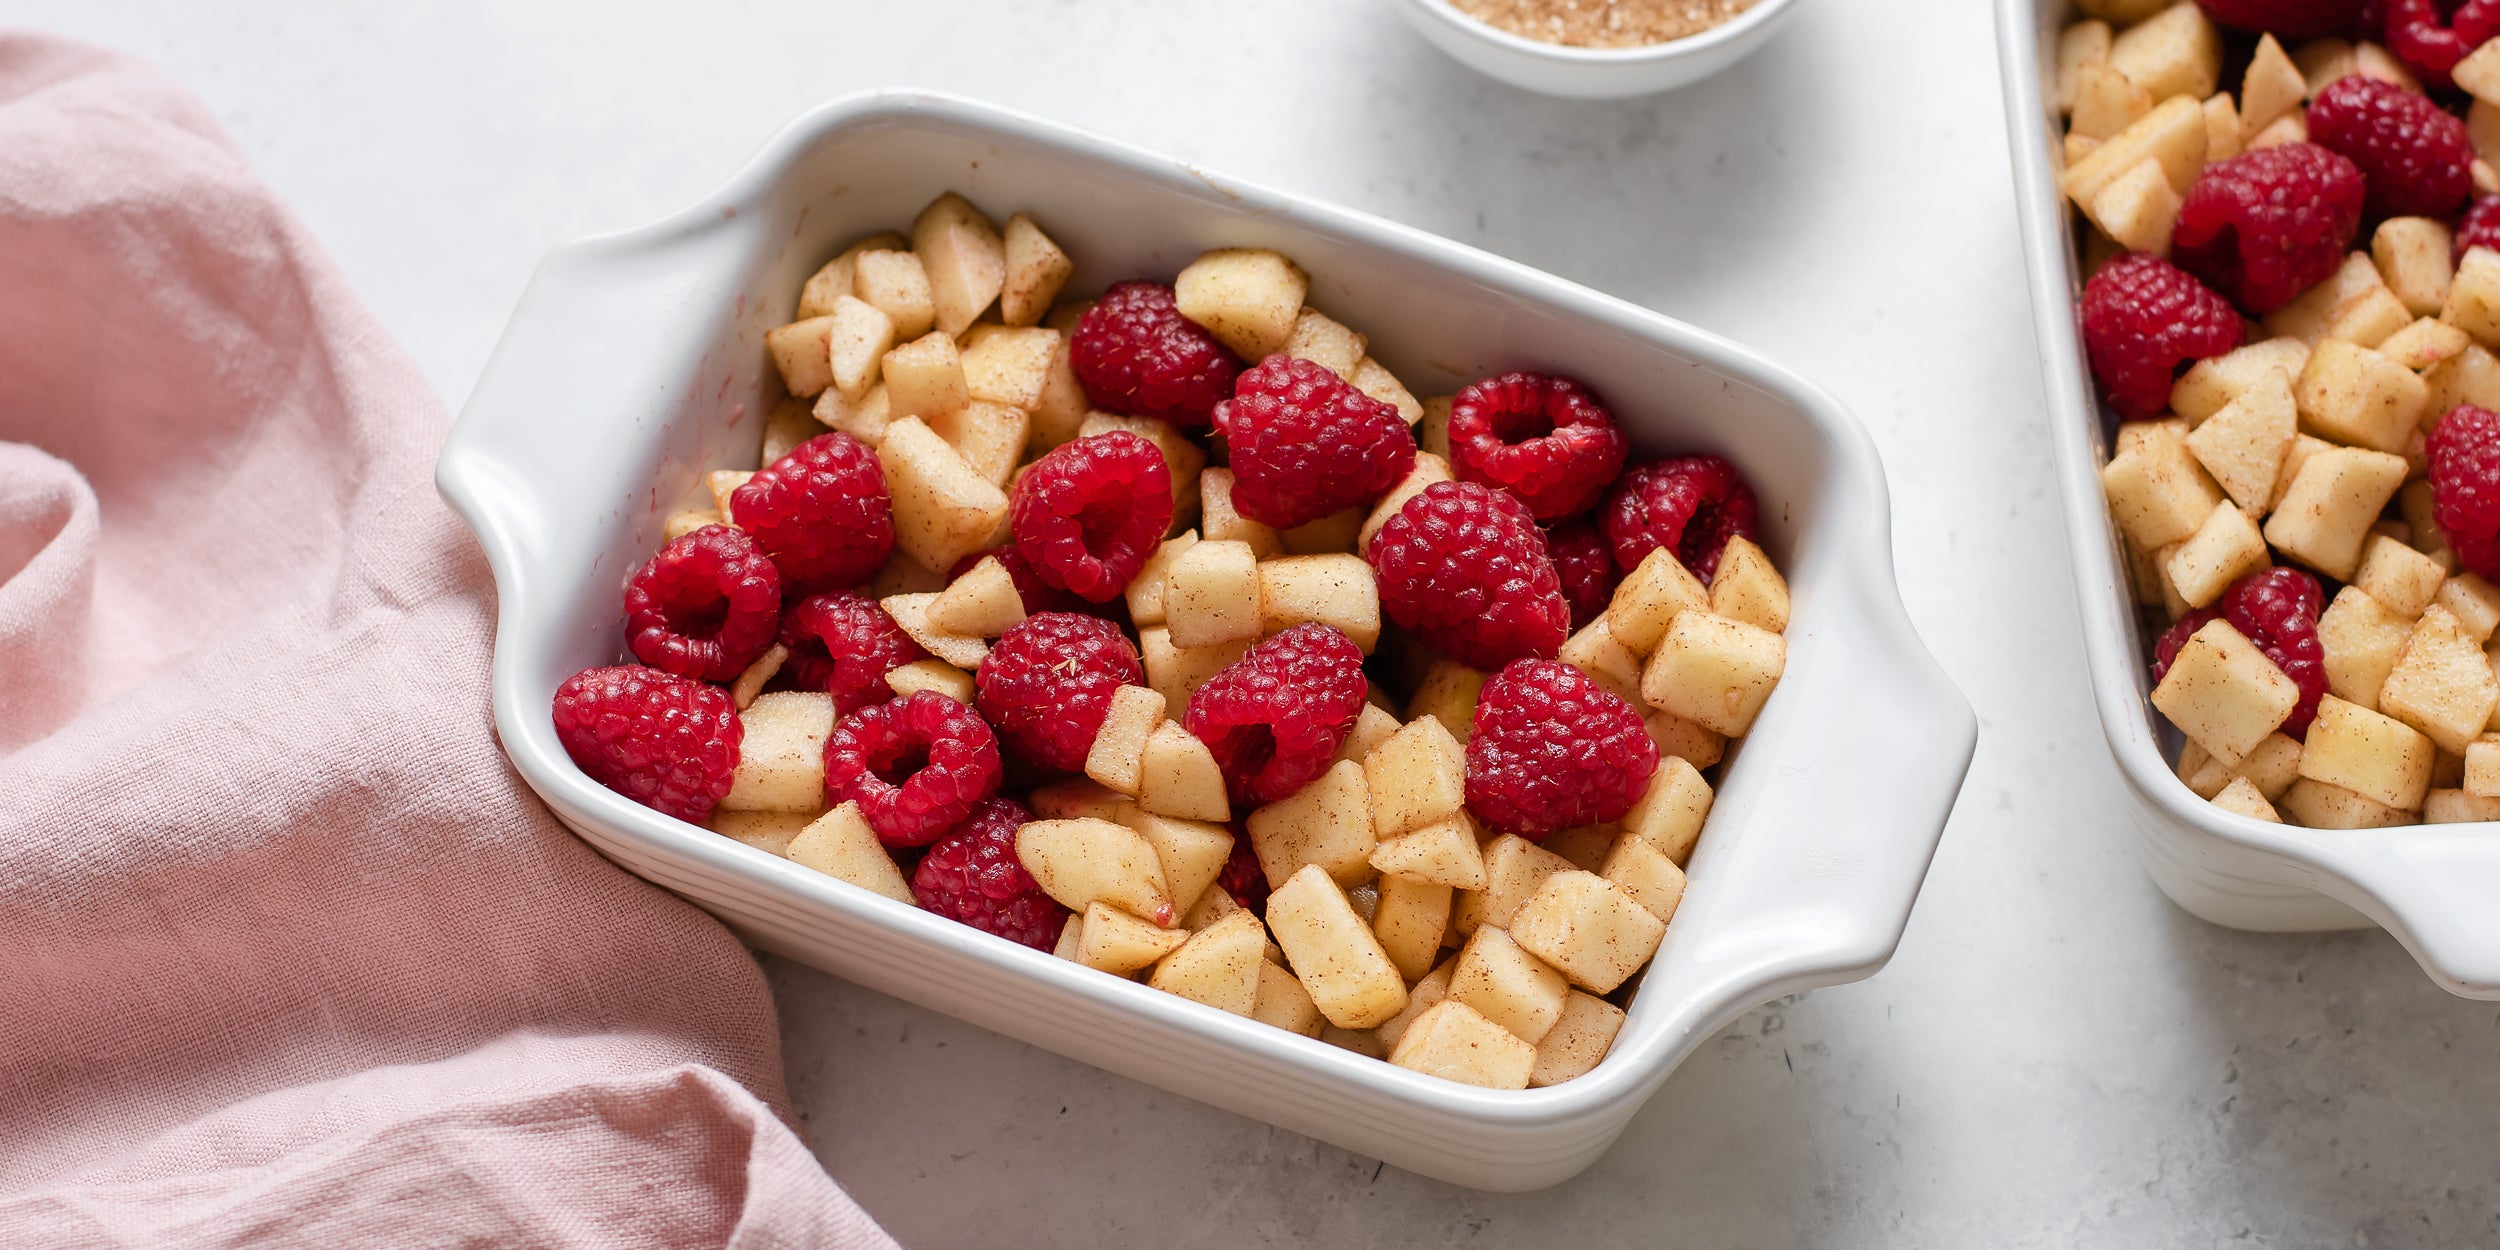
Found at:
[2217, 380]
[2452, 807]
[800, 351]
[2369, 753]
[1119, 749]
[1647, 601]
[787, 426]
[2222, 551]
[1642, 871]
[680, 524]
[1455, 1042]
[1416, 778]
[1589, 928]
[1177, 776]
[2080, 46]
[2441, 685]
[1334, 952]
[2474, 602]
[906, 680]
[943, 509]
[1145, 591]
[750, 684]
[1429, 468]
[781, 756]
[2224, 137]
[2172, 134]
[2138, 208]
[2334, 498]
[1327, 823]
[2423, 344]
[836, 278]
[1748, 588]
[1084, 859]
[1338, 591]
[863, 418]
[1211, 594]
[1577, 1042]
[1684, 739]
[2354, 395]
[1509, 986]
[1421, 997]
[769, 832]
[1177, 672]
[723, 484]
[1714, 671]
[2370, 320]
[1079, 796]
[990, 437]
[2175, 52]
[1409, 919]
[2106, 103]
[2157, 491]
[1282, 1002]
[1372, 726]
[2361, 640]
[2321, 805]
[2472, 376]
[1005, 365]
[1218, 965]
[2241, 796]
[1670, 813]
[1190, 852]
[2244, 442]
[1513, 870]
[2224, 693]
[1448, 694]
[1585, 846]
[2482, 767]
[983, 603]
[1445, 852]
[1036, 269]
[2311, 315]
[925, 377]
[2413, 258]
[965, 259]
[858, 334]
[2272, 87]
[1600, 656]
[1219, 521]
[1113, 941]
[1318, 338]
[840, 845]
[896, 285]
[911, 615]
[2402, 580]
[1374, 379]
[1248, 298]
[1333, 534]
[1213, 905]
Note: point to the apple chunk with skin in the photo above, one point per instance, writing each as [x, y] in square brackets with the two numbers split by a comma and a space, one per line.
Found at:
[1334, 952]
[1086, 860]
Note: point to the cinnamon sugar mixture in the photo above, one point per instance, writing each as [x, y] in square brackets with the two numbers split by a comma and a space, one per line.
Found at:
[1603, 23]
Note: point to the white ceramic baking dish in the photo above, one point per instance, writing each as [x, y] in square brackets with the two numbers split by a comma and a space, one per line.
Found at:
[2433, 886]
[634, 363]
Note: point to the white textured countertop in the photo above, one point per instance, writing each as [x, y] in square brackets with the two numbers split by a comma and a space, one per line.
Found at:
[2056, 1058]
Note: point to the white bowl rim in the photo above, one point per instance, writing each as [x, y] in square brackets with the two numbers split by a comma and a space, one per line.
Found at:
[1733, 30]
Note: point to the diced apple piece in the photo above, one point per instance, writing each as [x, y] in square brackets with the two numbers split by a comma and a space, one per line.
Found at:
[2241, 796]
[1247, 298]
[1714, 671]
[1219, 521]
[2413, 259]
[2451, 807]
[2423, 344]
[1514, 868]
[1119, 749]
[1339, 960]
[2323, 518]
[943, 509]
[983, 603]
[1009, 366]
[1083, 860]
[1421, 997]
[2314, 313]
[895, 284]
[2482, 767]
[1416, 778]
[1589, 928]
[1605, 660]
[2106, 103]
[2138, 208]
[2354, 395]
[1374, 379]
[1191, 852]
[1371, 728]
[903, 575]
[1219, 965]
[2472, 376]
[2371, 319]
[1648, 601]
[911, 614]
[1585, 846]
[857, 336]
[1327, 823]
[2217, 380]
[1177, 672]
[2371, 754]
[1333, 534]
[990, 437]
[2474, 296]
[1118, 943]
[1684, 739]
[1212, 905]
[2176, 52]
[781, 756]
[2244, 442]
[1145, 591]
[1456, 1043]
[750, 684]
[2404, 581]
[925, 377]
[1670, 813]
[1448, 694]
[1748, 588]
[2321, 805]
[906, 680]
[2224, 693]
[840, 845]
[1338, 591]
[2224, 137]
[1061, 411]
[1035, 270]
[1211, 594]
[769, 832]
[2474, 602]
[1070, 933]
[1410, 918]
[863, 418]
[2222, 551]
[1445, 852]
[786, 426]
[2441, 685]
[837, 277]
[965, 259]
[1318, 338]
[1079, 796]
[2080, 46]
[2172, 134]
[2361, 640]
[1642, 871]
[1577, 1042]
[1281, 1001]
[801, 352]
[1429, 468]
[2272, 87]
[1177, 776]
[1509, 986]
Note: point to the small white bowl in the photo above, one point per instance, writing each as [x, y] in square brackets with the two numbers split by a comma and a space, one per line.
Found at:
[635, 362]
[1594, 73]
[2430, 885]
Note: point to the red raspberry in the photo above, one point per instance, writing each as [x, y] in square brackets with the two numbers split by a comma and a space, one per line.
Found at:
[1553, 750]
[821, 512]
[1586, 566]
[2465, 486]
[1038, 595]
[844, 645]
[972, 875]
[1275, 718]
[1463, 568]
[2278, 611]
[1690, 506]
[916, 766]
[2481, 228]
[1135, 354]
[664, 741]
[2266, 225]
[2428, 42]
[2414, 154]
[1087, 515]
[1048, 682]
[1305, 445]
[1242, 877]
[2143, 319]
[1542, 438]
[2287, 19]
[705, 606]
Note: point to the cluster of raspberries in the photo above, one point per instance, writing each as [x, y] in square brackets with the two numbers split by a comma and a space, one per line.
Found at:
[1540, 517]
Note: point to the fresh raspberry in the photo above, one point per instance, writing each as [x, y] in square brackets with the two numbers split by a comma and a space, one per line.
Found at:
[844, 645]
[1586, 566]
[2480, 228]
[705, 606]
[1462, 567]
[2143, 320]
[2428, 42]
[1305, 445]
[667, 742]
[2414, 155]
[916, 766]
[972, 875]
[2278, 611]
[1690, 506]
[1087, 515]
[2287, 19]
[1275, 718]
[1542, 438]
[1135, 354]
[1048, 682]
[2465, 486]
[2266, 225]
[1242, 877]
[1038, 595]
[821, 513]
[1553, 750]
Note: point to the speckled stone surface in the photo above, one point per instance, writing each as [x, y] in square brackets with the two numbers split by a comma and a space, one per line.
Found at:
[2057, 1057]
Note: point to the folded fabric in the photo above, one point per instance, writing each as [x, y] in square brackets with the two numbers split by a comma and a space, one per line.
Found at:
[287, 953]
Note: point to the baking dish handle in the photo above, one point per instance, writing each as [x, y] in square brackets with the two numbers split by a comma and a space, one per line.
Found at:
[1809, 868]
[2437, 888]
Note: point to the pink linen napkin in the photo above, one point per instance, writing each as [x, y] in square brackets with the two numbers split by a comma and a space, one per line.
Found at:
[288, 956]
